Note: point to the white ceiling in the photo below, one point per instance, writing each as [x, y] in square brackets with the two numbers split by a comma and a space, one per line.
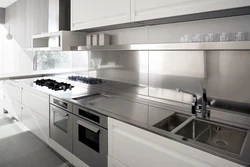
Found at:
[5, 3]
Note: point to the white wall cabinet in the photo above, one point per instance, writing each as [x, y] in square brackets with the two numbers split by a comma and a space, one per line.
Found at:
[146, 10]
[135, 147]
[86, 14]
[98, 13]
[36, 123]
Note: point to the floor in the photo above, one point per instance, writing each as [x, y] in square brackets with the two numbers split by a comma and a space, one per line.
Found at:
[19, 148]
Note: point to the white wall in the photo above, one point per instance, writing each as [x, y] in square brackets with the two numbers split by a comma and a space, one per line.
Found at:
[12, 57]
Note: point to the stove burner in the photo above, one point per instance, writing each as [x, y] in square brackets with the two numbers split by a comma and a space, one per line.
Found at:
[54, 85]
[91, 81]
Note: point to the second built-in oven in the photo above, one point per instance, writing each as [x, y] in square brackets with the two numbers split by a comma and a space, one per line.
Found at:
[90, 137]
[61, 122]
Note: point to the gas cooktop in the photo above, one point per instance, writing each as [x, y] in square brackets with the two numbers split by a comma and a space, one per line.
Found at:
[53, 84]
[91, 81]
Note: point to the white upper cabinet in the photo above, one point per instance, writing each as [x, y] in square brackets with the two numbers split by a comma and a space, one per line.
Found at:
[87, 14]
[146, 9]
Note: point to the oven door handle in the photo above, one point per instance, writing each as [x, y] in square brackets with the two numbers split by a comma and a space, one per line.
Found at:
[60, 112]
[88, 126]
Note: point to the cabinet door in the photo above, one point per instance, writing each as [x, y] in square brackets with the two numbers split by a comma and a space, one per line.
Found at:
[36, 123]
[98, 13]
[12, 90]
[13, 107]
[146, 10]
[136, 147]
[36, 100]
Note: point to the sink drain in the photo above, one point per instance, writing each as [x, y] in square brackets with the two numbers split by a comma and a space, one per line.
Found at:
[221, 143]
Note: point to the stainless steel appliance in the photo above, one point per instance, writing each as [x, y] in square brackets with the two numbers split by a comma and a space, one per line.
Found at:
[90, 137]
[61, 122]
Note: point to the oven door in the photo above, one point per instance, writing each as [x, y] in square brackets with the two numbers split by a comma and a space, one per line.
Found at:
[61, 127]
[90, 142]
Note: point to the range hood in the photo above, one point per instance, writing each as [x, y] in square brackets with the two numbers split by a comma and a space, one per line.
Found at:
[2, 15]
[59, 15]
[59, 36]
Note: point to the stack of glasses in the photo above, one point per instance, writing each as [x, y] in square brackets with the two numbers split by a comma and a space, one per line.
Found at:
[215, 37]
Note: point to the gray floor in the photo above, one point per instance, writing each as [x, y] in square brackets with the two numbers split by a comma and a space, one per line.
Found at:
[19, 148]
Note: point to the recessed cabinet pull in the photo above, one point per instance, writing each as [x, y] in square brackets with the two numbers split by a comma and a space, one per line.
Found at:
[88, 126]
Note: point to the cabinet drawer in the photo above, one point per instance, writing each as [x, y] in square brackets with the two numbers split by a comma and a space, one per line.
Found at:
[13, 107]
[36, 123]
[12, 90]
[37, 101]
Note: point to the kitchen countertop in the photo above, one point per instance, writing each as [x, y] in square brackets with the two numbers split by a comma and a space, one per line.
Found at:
[36, 74]
[139, 112]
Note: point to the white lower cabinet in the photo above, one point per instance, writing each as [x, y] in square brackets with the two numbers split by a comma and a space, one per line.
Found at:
[13, 107]
[12, 98]
[135, 147]
[112, 162]
[36, 123]
[36, 100]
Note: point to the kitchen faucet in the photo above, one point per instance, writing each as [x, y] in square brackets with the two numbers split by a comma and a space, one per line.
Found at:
[196, 109]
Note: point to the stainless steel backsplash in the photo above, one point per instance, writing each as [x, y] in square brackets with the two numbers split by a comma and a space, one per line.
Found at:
[225, 74]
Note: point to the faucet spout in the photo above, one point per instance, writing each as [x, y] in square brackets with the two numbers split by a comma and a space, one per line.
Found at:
[194, 103]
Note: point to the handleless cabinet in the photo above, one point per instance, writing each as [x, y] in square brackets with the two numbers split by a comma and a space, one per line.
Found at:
[35, 112]
[142, 10]
[36, 123]
[87, 14]
[36, 100]
[12, 98]
[133, 147]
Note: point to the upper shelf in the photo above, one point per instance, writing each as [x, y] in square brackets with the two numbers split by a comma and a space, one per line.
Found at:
[57, 41]
[205, 46]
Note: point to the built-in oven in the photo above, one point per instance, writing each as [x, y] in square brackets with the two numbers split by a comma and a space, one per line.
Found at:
[61, 125]
[90, 137]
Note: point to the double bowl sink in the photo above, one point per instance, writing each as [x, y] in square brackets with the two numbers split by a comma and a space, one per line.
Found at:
[212, 134]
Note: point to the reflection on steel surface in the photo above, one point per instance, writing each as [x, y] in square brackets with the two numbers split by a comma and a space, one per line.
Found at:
[225, 74]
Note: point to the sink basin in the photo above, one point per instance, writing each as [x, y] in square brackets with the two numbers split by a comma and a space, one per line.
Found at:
[171, 122]
[215, 135]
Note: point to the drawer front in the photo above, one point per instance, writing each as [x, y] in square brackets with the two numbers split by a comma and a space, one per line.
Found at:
[36, 123]
[13, 107]
[12, 90]
[37, 101]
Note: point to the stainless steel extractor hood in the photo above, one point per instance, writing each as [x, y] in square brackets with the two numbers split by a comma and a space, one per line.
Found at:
[59, 15]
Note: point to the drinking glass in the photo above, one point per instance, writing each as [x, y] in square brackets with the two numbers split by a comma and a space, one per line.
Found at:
[241, 36]
[225, 37]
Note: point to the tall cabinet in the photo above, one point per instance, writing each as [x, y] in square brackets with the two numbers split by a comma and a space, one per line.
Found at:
[97, 13]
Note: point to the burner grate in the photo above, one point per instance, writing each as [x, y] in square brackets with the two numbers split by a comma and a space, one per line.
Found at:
[53, 84]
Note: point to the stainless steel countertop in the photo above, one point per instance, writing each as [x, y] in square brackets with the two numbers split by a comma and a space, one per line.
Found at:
[146, 112]
[37, 74]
